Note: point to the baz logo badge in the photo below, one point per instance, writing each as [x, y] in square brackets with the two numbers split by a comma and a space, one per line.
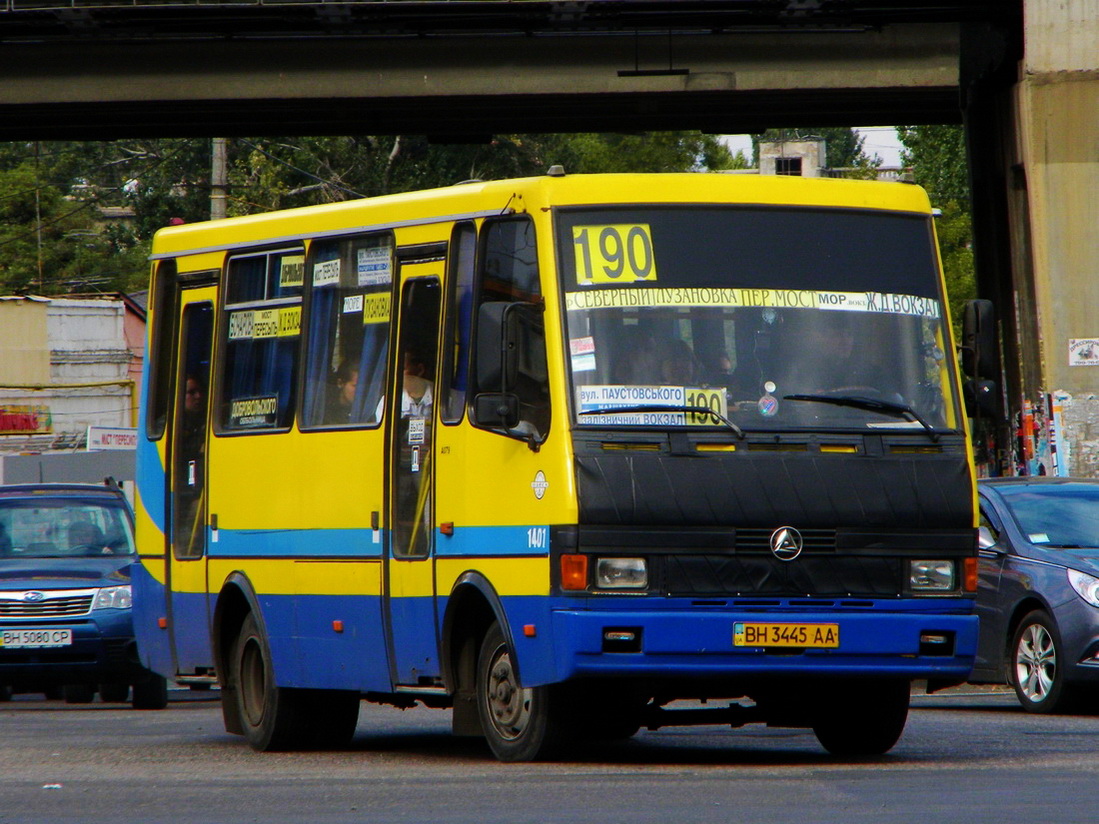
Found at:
[786, 543]
[539, 484]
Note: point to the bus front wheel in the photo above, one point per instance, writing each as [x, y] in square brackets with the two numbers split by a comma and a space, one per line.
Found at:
[519, 723]
[861, 718]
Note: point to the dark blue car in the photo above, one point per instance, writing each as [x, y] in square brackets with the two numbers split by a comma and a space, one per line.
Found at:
[1038, 596]
[65, 602]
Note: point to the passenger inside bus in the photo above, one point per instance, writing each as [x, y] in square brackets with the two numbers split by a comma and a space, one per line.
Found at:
[417, 391]
[347, 381]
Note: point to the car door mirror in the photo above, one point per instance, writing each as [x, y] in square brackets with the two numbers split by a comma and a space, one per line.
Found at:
[986, 540]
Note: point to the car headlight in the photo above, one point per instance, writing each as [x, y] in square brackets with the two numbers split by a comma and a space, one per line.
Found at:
[931, 576]
[621, 573]
[1086, 586]
[113, 598]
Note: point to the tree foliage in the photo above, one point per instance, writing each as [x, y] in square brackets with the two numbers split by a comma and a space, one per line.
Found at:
[53, 238]
[937, 157]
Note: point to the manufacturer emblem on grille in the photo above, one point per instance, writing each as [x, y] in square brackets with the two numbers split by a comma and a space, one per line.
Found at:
[34, 595]
[786, 543]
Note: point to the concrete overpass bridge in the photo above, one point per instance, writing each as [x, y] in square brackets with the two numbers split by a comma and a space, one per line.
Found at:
[1022, 75]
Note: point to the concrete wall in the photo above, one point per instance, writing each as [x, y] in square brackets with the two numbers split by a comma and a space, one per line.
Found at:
[86, 371]
[811, 152]
[24, 345]
[1058, 112]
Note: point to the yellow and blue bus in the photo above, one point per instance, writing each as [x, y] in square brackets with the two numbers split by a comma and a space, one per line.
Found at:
[559, 454]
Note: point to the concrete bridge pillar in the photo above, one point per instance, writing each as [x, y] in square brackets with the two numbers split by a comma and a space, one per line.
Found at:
[1052, 180]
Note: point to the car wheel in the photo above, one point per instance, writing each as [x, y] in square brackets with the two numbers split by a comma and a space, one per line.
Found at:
[519, 723]
[860, 719]
[114, 693]
[150, 693]
[78, 693]
[1036, 665]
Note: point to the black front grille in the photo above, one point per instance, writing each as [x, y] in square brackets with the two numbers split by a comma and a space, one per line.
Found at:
[49, 608]
[759, 540]
[810, 575]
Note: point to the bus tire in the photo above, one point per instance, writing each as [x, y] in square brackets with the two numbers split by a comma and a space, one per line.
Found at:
[114, 692]
[150, 693]
[267, 713]
[279, 718]
[519, 724]
[860, 719]
[78, 693]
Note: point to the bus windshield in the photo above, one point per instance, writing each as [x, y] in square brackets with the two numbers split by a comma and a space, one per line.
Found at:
[773, 318]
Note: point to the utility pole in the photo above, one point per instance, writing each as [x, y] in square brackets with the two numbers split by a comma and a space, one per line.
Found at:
[218, 179]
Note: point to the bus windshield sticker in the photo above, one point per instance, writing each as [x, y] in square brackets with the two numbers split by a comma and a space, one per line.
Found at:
[376, 308]
[352, 303]
[257, 324]
[583, 354]
[254, 412]
[595, 399]
[326, 273]
[659, 298]
[265, 324]
[374, 266]
[292, 271]
[289, 321]
[621, 253]
[240, 325]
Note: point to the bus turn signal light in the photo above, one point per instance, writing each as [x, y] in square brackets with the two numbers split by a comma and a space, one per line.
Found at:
[970, 577]
[574, 572]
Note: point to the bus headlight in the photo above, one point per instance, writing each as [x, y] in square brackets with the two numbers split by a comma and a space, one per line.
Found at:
[931, 576]
[621, 573]
[113, 598]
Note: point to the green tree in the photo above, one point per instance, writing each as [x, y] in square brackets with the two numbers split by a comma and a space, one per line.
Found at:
[937, 157]
[50, 193]
[52, 242]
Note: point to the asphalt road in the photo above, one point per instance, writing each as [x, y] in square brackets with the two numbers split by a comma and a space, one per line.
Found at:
[965, 757]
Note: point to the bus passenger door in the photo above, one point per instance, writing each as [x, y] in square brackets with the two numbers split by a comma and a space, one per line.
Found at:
[188, 623]
[410, 579]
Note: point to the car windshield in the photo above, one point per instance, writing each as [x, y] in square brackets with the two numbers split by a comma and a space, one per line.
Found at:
[773, 318]
[1055, 515]
[66, 528]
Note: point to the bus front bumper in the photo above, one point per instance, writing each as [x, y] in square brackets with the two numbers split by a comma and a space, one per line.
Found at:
[922, 644]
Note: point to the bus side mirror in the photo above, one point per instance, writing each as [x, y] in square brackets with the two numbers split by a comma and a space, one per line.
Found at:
[497, 409]
[980, 360]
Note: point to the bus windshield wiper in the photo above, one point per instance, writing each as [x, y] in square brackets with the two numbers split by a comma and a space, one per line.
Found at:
[896, 410]
[670, 407]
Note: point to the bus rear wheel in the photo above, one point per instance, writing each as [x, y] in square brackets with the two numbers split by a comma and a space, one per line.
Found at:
[519, 723]
[279, 718]
[862, 718]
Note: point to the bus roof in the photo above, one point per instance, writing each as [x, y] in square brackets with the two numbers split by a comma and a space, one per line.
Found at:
[488, 198]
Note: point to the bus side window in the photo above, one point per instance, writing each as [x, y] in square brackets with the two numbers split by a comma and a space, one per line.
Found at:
[164, 298]
[347, 335]
[509, 274]
[263, 308]
[459, 312]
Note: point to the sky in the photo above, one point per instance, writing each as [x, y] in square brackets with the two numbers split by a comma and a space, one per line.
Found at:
[879, 140]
